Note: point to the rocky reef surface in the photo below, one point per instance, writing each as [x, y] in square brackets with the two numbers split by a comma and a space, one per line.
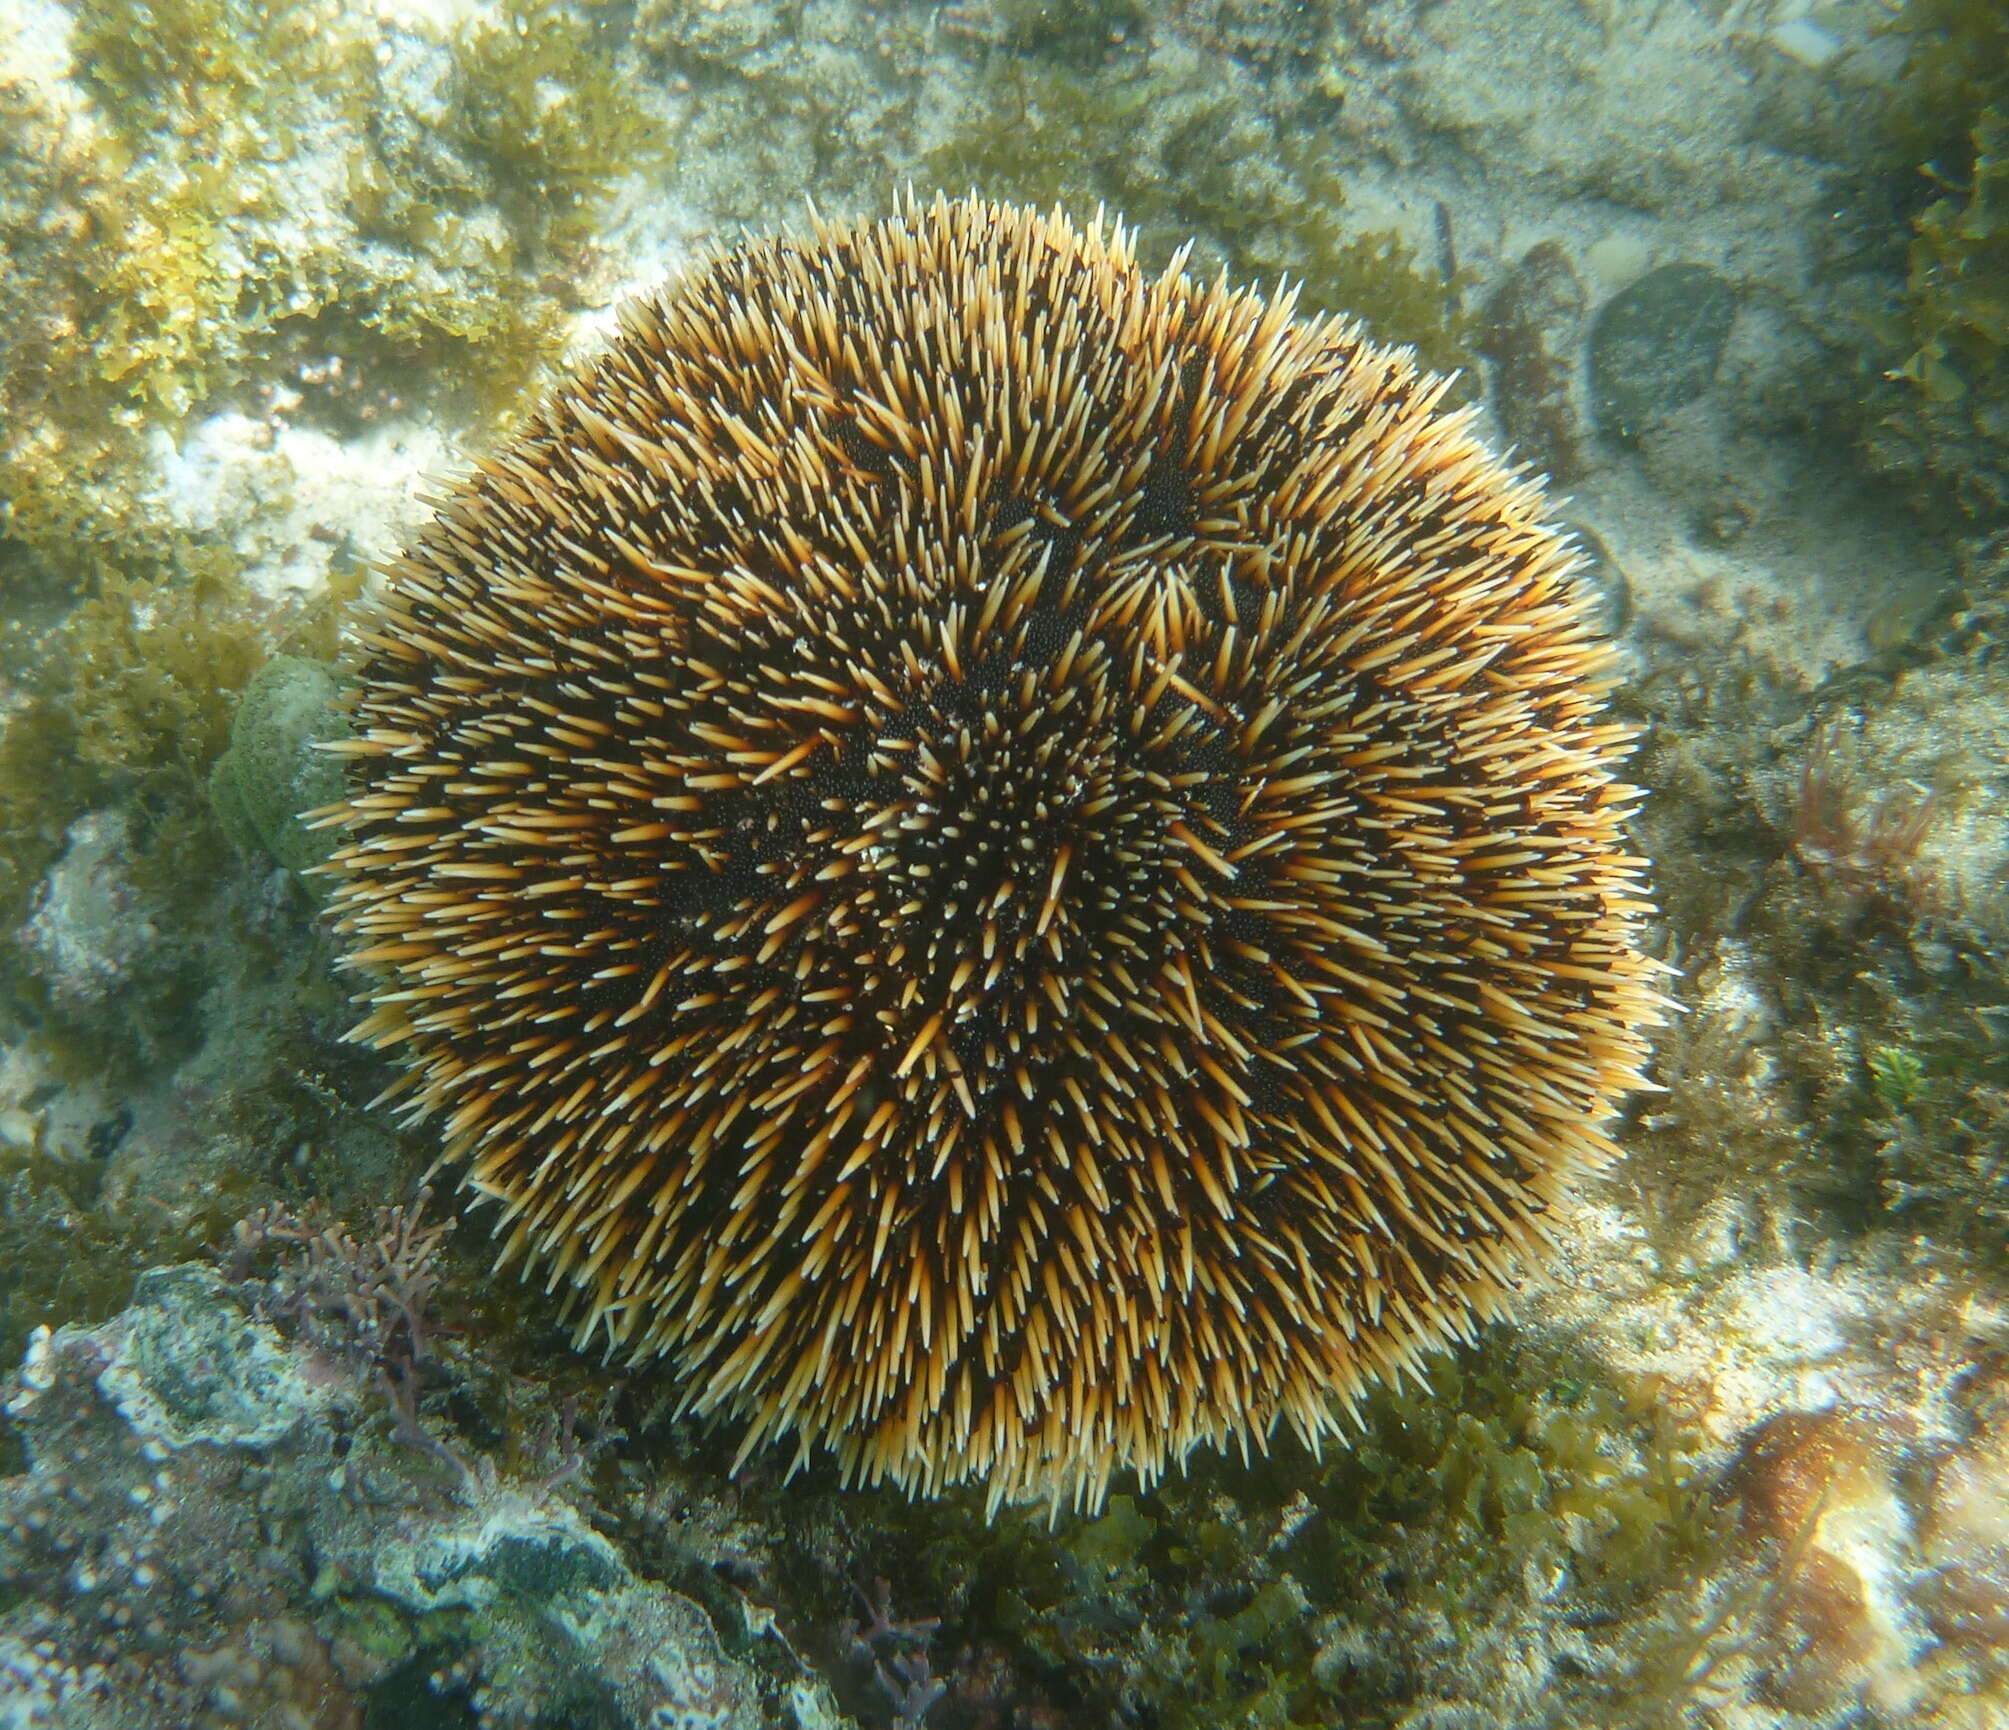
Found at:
[204, 1534]
[279, 1451]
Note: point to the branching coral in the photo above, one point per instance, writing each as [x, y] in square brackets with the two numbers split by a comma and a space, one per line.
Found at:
[370, 1295]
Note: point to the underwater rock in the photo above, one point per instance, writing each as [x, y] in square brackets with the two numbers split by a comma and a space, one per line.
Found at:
[183, 1369]
[1964, 1543]
[1654, 346]
[214, 1527]
[147, 1528]
[271, 771]
[91, 930]
[567, 1627]
[1533, 328]
[1817, 1493]
[36, 1690]
[519, 1547]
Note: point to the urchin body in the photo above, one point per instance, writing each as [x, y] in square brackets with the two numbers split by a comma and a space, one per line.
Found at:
[1014, 866]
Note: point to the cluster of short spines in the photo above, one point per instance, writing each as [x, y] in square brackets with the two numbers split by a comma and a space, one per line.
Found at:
[1013, 866]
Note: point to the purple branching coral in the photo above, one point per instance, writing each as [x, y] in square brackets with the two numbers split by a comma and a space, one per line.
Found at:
[897, 1651]
[368, 1298]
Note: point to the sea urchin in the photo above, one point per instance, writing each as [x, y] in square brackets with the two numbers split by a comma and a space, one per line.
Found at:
[1014, 865]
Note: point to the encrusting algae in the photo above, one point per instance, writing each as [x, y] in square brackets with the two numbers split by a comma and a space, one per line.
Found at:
[1013, 865]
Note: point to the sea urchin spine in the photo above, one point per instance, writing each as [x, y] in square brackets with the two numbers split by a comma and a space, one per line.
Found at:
[1013, 865]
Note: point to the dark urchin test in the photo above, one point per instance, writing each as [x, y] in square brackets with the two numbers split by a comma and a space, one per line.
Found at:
[1011, 865]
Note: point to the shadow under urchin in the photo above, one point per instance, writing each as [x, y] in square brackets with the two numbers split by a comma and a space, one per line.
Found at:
[1012, 865]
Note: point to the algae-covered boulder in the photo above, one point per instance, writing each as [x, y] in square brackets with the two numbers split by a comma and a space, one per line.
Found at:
[271, 771]
[1655, 346]
[209, 1518]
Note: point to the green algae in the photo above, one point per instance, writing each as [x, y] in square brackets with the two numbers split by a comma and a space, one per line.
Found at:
[176, 64]
[1951, 124]
[1050, 134]
[147, 284]
[1896, 1076]
[1522, 1496]
[539, 106]
[1171, 155]
[489, 200]
[272, 771]
[1959, 283]
[251, 189]
[133, 694]
[74, 398]
[1520, 1463]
